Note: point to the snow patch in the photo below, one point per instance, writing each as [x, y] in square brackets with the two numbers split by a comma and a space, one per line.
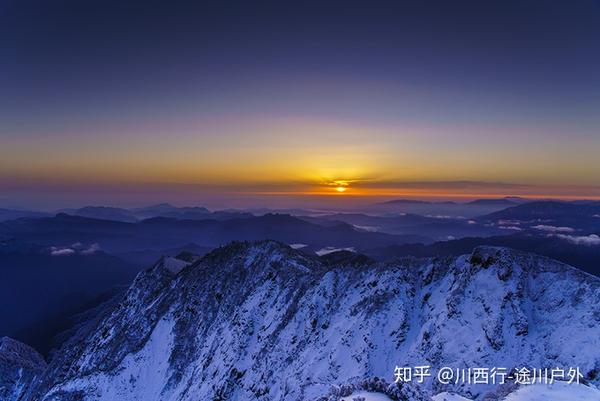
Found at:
[331, 249]
[366, 396]
[558, 391]
[445, 396]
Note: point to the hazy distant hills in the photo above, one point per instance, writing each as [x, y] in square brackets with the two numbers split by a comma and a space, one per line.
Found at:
[119, 231]
[103, 213]
[578, 213]
[473, 208]
[11, 214]
[435, 227]
[415, 202]
[159, 210]
[565, 231]
[163, 232]
[506, 201]
[469, 209]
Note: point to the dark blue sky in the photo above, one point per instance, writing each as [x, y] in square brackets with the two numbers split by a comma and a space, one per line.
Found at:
[112, 46]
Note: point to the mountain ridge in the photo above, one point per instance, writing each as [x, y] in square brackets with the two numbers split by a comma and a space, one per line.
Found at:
[259, 320]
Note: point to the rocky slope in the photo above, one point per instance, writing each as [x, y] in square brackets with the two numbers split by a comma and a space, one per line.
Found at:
[19, 365]
[260, 321]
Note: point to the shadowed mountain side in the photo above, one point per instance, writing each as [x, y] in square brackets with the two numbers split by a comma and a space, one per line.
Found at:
[38, 291]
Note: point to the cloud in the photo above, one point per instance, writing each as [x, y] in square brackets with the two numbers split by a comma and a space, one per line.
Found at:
[298, 246]
[91, 249]
[509, 222]
[54, 251]
[514, 228]
[330, 249]
[553, 229]
[77, 247]
[371, 229]
[587, 240]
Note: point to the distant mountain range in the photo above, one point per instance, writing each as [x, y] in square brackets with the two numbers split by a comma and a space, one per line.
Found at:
[163, 232]
[11, 214]
[506, 201]
[468, 209]
[159, 210]
[433, 227]
[416, 202]
[549, 211]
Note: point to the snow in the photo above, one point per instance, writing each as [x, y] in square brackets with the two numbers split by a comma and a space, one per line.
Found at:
[558, 391]
[140, 377]
[445, 396]
[366, 396]
[264, 319]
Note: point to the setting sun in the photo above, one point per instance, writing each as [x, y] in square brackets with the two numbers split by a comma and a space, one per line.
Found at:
[341, 189]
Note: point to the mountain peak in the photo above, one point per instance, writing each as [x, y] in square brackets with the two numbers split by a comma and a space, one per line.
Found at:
[258, 255]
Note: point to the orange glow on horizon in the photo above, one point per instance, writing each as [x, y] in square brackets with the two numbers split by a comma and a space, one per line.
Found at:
[358, 191]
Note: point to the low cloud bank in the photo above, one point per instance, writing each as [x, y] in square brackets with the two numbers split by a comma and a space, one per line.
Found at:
[553, 229]
[77, 247]
[588, 240]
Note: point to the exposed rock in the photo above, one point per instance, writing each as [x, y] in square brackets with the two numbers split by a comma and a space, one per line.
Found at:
[19, 366]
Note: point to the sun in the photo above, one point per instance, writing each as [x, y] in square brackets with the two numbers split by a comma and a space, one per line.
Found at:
[340, 189]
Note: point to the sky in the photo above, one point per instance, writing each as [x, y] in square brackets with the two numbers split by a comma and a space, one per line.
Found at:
[242, 104]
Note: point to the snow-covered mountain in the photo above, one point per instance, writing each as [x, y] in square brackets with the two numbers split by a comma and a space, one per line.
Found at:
[19, 364]
[261, 321]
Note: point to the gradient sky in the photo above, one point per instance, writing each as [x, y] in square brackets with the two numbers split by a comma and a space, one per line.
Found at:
[122, 102]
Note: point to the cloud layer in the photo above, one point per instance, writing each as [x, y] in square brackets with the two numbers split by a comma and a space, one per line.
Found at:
[588, 240]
